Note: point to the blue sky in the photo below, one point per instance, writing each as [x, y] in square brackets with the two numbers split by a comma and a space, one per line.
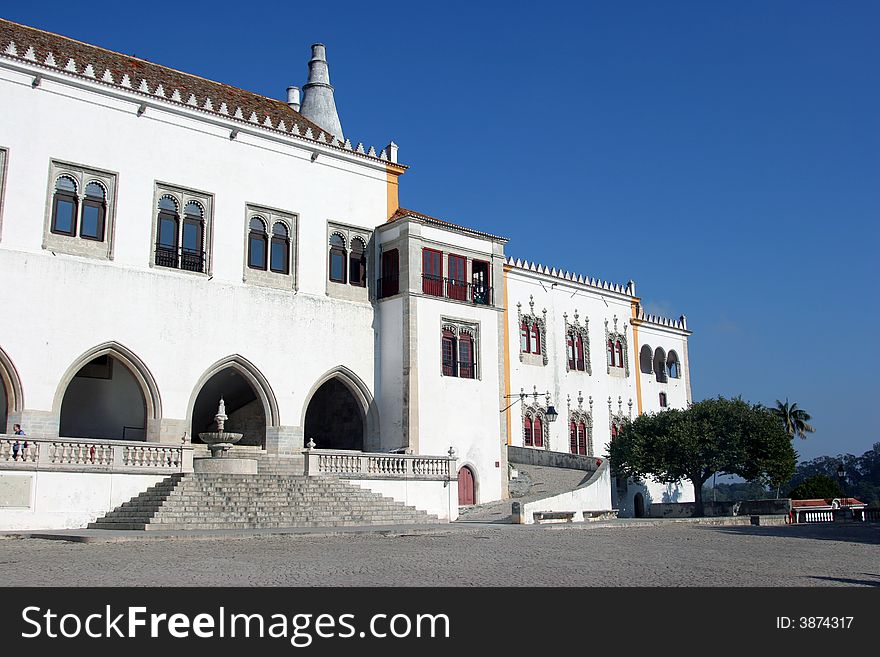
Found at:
[725, 156]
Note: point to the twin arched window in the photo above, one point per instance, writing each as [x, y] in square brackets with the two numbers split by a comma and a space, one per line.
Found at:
[615, 353]
[577, 437]
[574, 347]
[660, 364]
[458, 353]
[180, 241]
[533, 431]
[530, 338]
[348, 266]
[66, 215]
[264, 252]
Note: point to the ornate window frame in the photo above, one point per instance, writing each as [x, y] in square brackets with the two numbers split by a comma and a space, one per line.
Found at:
[76, 244]
[575, 329]
[532, 411]
[268, 277]
[345, 290]
[614, 336]
[618, 419]
[459, 327]
[182, 197]
[580, 414]
[532, 320]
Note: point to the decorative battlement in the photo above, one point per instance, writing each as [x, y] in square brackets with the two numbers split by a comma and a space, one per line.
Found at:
[95, 64]
[680, 323]
[619, 288]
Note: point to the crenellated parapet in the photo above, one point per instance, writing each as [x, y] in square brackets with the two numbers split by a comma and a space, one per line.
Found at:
[646, 318]
[619, 288]
[74, 59]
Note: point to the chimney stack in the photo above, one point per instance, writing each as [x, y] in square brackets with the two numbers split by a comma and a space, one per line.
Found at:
[318, 104]
[293, 98]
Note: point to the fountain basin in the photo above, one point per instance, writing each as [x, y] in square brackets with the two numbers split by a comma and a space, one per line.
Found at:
[220, 442]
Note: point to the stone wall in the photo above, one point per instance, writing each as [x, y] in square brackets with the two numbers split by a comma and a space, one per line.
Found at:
[718, 509]
[550, 459]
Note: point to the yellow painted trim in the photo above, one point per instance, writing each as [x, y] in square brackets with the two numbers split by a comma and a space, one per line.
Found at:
[506, 399]
[638, 363]
[392, 179]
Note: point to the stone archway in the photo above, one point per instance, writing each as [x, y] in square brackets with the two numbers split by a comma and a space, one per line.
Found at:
[11, 397]
[334, 418]
[251, 407]
[639, 505]
[108, 393]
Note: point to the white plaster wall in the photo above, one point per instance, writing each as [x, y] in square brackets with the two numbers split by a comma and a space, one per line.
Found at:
[462, 413]
[439, 498]
[565, 386]
[62, 500]
[389, 391]
[177, 323]
[595, 495]
[652, 491]
[675, 389]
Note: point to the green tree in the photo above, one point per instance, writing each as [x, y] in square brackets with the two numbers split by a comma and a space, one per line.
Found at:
[794, 420]
[725, 436]
[816, 487]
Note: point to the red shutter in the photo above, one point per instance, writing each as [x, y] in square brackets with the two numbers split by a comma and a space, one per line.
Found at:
[580, 352]
[456, 286]
[432, 272]
[527, 431]
[538, 431]
[619, 348]
[569, 349]
[536, 338]
[524, 342]
[466, 356]
[582, 439]
[611, 353]
[572, 437]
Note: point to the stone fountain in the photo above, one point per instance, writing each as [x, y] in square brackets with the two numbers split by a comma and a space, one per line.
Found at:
[220, 442]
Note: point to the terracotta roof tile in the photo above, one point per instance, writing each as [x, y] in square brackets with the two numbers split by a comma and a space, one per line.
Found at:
[35, 46]
[401, 213]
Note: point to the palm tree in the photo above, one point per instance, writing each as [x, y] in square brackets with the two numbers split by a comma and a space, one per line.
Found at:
[794, 420]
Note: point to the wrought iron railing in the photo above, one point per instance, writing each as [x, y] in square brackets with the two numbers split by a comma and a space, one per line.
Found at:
[180, 258]
[456, 289]
[387, 286]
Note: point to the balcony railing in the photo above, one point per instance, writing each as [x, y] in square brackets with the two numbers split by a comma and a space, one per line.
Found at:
[387, 286]
[456, 289]
[180, 258]
[363, 465]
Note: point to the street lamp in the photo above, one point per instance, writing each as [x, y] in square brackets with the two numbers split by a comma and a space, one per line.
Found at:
[841, 477]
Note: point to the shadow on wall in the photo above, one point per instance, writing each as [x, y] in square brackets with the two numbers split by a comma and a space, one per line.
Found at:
[245, 410]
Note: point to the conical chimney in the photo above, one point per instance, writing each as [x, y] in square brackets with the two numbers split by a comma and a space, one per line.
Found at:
[318, 105]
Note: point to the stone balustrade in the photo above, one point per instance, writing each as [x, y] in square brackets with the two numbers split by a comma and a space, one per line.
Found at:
[94, 455]
[360, 465]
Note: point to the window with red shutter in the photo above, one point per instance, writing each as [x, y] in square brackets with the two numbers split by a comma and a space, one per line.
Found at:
[449, 368]
[572, 437]
[610, 351]
[432, 272]
[536, 339]
[569, 349]
[524, 341]
[579, 343]
[456, 286]
[582, 439]
[619, 349]
[466, 356]
[527, 431]
[538, 430]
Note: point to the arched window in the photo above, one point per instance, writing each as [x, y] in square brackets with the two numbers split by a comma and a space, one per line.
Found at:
[610, 353]
[527, 431]
[618, 350]
[94, 211]
[662, 400]
[449, 356]
[280, 252]
[536, 339]
[672, 366]
[572, 437]
[660, 365]
[357, 271]
[582, 439]
[466, 356]
[579, 352]
[168, 227]
[192, 255]
[538, 430]
[257, 242]
[569, 349]
[645, 356]
[64, 206]
[525, 338]
[337, 258]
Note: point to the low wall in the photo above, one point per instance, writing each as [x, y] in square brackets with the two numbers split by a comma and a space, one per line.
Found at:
[594, 495]
[550, 459]
[64, 500]
[439, 498]
[720, 509]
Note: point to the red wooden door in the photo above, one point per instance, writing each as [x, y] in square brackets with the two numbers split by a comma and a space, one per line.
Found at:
[466, 487]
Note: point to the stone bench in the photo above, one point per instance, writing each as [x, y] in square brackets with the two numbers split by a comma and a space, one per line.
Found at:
[593, 516]
[554, 516]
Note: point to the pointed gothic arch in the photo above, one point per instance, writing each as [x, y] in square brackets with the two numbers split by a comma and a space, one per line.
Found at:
[362, 398]
[12, 393]
[140, 373]
[247, 373]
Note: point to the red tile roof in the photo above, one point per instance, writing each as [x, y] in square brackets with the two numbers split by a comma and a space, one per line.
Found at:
[108, 67]
[844, 501]
[402, 213]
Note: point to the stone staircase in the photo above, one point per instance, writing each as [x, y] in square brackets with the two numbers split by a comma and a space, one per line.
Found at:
[262, 501]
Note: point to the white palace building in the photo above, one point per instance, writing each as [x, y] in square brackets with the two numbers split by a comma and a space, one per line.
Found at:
[166, 240]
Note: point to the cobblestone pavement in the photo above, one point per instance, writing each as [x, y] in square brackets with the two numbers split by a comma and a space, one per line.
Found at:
[476, 555]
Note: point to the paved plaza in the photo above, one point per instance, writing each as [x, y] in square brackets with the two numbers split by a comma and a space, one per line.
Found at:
[670, 554]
